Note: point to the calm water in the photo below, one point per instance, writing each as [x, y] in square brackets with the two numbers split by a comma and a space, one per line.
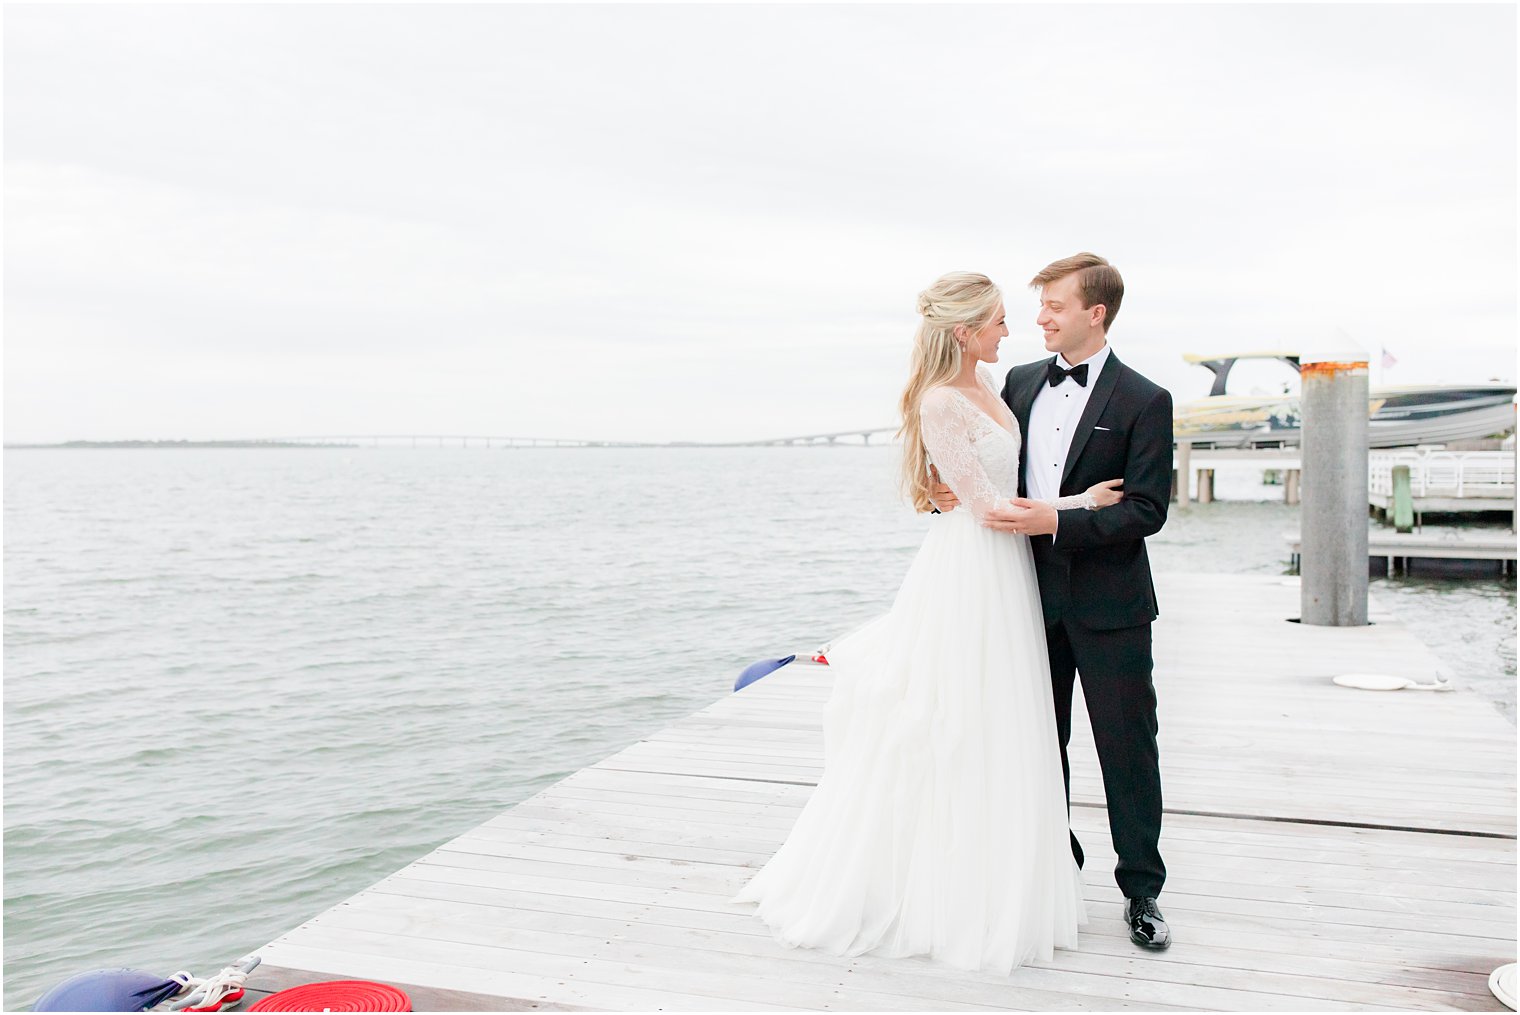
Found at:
[242, 685]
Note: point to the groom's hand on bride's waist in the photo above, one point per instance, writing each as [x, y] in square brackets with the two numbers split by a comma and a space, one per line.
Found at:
[1031, 517]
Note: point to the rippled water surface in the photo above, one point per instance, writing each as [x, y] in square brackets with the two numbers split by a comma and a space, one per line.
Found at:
[242, 685]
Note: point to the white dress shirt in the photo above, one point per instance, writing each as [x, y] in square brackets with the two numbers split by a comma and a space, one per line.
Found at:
[1052, 419]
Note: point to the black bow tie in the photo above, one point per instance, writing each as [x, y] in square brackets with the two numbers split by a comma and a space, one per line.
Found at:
[1056, 375]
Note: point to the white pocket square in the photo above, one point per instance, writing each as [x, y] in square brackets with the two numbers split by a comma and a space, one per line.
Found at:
[1102, 428]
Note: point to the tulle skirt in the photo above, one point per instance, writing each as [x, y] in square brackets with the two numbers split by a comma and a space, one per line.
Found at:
[939, 827]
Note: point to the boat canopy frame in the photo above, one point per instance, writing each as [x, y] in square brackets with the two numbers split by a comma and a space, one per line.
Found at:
[1221, 365]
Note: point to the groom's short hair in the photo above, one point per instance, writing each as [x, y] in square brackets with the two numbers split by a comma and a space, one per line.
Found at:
[1097, 282]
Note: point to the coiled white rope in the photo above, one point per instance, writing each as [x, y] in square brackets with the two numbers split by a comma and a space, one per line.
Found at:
[210, 993]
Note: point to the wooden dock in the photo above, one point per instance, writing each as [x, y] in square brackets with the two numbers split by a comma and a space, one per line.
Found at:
[1189, 460]
[1428, 543]
[1328, 849]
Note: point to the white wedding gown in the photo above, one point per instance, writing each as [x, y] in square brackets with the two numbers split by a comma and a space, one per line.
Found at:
[939, 827]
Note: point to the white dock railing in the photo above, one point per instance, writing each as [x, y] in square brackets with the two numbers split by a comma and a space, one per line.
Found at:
[1445, 473]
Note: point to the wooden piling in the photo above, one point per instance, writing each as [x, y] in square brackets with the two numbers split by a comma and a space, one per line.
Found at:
[1403, 500]
[1183, 477]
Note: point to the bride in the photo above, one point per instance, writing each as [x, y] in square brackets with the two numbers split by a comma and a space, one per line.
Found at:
[939, 827]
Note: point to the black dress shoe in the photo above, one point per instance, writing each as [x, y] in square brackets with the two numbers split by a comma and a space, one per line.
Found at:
[1147, 927]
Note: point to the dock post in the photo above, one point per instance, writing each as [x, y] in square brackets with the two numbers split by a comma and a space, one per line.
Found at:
[1403, 500]
[1334, 445]
[1184, 477]
[1290, 487]
[1205, 486]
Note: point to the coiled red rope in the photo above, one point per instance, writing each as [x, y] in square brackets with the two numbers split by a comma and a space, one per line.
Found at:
[337, 995]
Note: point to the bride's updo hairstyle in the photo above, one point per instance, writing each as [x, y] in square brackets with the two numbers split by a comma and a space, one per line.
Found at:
[960, 298]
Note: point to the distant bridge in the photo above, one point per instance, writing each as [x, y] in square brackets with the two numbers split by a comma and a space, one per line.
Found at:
[510, 441]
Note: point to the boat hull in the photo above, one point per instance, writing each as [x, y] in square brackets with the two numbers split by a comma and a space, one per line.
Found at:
[1396, 417]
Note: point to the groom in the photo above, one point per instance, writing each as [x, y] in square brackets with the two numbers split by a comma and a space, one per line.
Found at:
[1086, 417]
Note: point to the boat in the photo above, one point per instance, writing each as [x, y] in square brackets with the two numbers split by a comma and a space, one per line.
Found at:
[1397, 416]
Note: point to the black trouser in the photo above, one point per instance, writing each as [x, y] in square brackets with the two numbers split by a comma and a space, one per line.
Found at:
[1121, 703]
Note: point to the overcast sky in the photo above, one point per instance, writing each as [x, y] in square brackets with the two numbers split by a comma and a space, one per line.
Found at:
[710, 222]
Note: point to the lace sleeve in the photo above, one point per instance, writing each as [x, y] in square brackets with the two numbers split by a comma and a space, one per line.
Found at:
[946, 421]
[1082, 500]
[1076, 500]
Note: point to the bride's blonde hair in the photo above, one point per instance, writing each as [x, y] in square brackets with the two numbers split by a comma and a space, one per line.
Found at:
[961, 297]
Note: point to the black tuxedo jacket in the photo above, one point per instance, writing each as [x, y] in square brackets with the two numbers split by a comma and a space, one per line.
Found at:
[1095, 570]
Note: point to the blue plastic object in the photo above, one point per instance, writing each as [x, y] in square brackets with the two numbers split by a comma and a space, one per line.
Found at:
[108, 990]
[754, 671]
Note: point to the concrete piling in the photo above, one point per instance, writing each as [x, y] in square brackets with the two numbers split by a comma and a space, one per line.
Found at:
[1334, 514]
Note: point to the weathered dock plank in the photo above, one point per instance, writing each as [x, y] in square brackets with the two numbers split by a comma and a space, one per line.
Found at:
[1329, 849]
[1431, 544]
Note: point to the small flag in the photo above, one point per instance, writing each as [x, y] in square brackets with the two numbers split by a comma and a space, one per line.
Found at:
[1388, 359]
